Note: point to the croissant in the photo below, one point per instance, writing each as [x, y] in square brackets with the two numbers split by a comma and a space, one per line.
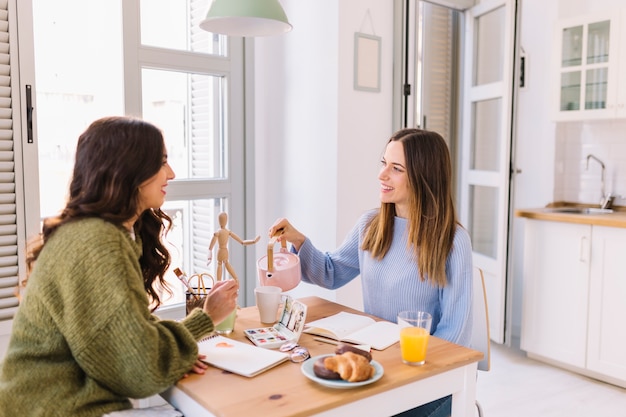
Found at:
[350, 366]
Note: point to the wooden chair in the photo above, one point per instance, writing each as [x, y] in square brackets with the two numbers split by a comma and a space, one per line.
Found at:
[480, 329]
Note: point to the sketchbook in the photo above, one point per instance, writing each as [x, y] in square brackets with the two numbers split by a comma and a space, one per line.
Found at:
[238, 357]
[356, 328]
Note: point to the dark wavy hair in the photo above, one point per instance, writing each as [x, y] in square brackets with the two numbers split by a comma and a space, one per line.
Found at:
[113, 157]
[432, 217]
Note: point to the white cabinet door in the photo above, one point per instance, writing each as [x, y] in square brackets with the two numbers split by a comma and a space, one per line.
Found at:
[607, 303]
[587, 67]
[556, 281]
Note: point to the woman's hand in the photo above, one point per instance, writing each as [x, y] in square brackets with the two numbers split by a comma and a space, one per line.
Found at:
[199, 367]
[221, 300]
[288, 232]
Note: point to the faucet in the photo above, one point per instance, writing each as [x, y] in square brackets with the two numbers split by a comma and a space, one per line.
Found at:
[607, 198]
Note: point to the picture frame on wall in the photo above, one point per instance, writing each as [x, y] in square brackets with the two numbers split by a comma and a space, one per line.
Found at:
[367, 62]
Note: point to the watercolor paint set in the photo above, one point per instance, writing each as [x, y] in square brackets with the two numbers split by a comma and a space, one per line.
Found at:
[288, 329]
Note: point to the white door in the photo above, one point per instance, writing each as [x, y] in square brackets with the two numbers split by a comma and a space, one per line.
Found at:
[486, 143]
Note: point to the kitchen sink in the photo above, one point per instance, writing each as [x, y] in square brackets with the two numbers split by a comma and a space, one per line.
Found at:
[579, 210]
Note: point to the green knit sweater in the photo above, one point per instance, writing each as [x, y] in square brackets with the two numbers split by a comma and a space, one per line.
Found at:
[83, 338]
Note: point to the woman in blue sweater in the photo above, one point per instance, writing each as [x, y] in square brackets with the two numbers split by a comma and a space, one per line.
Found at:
[411, 253]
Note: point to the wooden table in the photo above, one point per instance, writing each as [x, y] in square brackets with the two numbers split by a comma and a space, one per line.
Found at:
[285, 391]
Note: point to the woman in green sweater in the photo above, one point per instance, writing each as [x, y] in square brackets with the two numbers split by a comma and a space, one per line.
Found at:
[84, 339]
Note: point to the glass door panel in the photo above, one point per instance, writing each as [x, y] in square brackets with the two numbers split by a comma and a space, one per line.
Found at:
[598, 36]
[572, 49]
[487, 122]
[596, 81]
[488, 65]
[570, 91]
[482, 227]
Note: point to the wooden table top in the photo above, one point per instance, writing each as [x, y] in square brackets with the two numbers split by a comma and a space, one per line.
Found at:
[285, 391]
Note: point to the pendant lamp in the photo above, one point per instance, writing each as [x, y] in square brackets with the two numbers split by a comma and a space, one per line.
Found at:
[246, 18]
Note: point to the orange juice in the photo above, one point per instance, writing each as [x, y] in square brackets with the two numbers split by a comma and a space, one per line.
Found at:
[413, 343]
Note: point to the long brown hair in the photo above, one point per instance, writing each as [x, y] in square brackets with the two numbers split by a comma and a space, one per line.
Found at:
[432, 217]
[113, 157]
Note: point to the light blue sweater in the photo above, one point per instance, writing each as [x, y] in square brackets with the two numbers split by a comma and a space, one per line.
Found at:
[392, 284]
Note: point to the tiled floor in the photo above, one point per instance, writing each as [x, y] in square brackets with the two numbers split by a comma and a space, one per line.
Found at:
[520, 387]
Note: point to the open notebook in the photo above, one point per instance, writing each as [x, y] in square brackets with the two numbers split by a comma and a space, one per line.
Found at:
[238, 357]
[356, 328]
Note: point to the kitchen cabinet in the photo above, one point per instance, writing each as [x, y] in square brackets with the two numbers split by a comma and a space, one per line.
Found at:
[590, 56]
[573, 300]
[606, 348]
[556, 288]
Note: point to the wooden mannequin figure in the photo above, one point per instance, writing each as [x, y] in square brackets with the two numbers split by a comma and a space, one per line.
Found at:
[221, 238]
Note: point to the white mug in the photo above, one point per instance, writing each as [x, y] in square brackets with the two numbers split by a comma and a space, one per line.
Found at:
[268, 300]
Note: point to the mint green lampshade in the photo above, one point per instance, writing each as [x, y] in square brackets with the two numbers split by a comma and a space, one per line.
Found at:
[246, 18]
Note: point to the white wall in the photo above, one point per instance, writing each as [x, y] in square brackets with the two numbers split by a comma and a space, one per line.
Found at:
[318, 141]
[534, 148]
[549, 154]
[575, 181]
[366, 121]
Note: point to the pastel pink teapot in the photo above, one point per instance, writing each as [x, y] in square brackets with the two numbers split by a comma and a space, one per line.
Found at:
[280, 269]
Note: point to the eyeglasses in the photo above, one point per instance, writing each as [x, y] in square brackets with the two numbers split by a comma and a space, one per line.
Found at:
[297, 353]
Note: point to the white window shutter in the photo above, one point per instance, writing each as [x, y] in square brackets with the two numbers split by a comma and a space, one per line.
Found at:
[439, 69]
[8, 217]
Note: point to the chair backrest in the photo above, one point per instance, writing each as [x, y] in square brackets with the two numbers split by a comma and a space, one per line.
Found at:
[480, 330]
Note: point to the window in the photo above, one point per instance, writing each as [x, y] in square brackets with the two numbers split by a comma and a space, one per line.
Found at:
[147, 58]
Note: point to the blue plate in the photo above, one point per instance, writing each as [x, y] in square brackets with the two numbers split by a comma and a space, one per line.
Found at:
[307, 370]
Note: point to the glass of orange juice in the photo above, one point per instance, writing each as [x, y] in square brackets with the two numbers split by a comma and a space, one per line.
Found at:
[414, 332]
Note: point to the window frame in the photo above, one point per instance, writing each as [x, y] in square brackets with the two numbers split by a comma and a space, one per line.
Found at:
[26, 170]
[234, 186]
[236, 65]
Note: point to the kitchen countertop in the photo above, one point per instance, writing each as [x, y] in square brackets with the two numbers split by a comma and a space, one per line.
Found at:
[615, 219]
